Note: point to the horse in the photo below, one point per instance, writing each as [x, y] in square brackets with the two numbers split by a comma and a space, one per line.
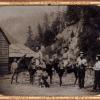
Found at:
[22, 66]
[69, 69]
[72, 69]
[59, 71]
[49, 70]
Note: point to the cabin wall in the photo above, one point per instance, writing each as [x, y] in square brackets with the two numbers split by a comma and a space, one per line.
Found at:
[4, 54]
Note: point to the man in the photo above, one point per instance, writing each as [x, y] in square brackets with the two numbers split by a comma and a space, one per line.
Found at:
[14, 65]
[38, 56]
[82, 64]
[65, 56]
[97, 73]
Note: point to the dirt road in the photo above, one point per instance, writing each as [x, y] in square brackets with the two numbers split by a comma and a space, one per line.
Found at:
[24, 88]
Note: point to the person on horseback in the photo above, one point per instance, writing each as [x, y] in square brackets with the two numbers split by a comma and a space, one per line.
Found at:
[82, 64]
[65, 56]
[38, 56]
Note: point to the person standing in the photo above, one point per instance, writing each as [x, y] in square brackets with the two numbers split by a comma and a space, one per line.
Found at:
[20, 64]
[97, 74]
[45, 78]
[82, 64]
[14, 65]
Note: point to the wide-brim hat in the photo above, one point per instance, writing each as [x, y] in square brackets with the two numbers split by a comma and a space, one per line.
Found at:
[37, 46]
[98, 55]
[81, 53]
[65, 47]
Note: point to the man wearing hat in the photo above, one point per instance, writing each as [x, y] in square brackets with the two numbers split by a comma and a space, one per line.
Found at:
[38, 56]
[97, 74]
[82, 63]
[65, 56]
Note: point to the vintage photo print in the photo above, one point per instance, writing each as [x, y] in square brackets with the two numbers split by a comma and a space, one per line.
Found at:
[50, 50]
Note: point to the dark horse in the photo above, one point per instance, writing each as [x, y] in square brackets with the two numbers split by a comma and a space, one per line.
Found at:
[23, 64]
[72, 69]
[49, 70]
[69, 69]
[58, 70]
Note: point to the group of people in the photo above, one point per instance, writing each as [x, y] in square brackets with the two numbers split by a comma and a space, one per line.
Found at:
[81, 64]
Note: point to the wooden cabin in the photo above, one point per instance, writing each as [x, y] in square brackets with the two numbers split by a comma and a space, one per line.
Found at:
[4, 52]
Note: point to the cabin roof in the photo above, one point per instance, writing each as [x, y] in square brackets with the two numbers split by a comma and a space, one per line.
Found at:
[7, 36]
[18, 50]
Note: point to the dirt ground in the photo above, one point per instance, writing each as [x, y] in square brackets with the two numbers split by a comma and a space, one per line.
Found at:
[24, 88]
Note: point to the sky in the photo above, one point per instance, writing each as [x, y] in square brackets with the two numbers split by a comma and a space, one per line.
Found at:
[13, 11]
[15, 19]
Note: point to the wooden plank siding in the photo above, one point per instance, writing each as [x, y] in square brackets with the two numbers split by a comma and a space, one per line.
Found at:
[4, 54]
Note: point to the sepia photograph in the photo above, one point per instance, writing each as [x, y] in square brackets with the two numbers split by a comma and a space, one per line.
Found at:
[50, 50]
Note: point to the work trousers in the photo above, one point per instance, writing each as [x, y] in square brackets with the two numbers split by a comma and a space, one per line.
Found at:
[96, 80]
[81, 77]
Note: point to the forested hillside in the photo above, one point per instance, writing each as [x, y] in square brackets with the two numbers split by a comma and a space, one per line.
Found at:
[78, 28]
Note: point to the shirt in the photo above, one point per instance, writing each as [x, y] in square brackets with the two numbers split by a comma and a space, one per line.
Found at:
[81, 61]
[38, 57]
[61, 65]
[13, 66]
[65, 59]
[97, 66]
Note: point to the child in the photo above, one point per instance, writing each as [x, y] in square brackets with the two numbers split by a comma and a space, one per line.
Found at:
[39, 75]
[44, 79]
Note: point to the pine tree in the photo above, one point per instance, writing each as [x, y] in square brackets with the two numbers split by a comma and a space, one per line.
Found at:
[30, 40]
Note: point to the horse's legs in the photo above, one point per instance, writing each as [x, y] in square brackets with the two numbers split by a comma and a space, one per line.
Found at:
[34, 77]
[17, 77]
[31, 77]
[76, 76]
[75, 80]
[12, 77]
[60, 80]
[50, 79]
